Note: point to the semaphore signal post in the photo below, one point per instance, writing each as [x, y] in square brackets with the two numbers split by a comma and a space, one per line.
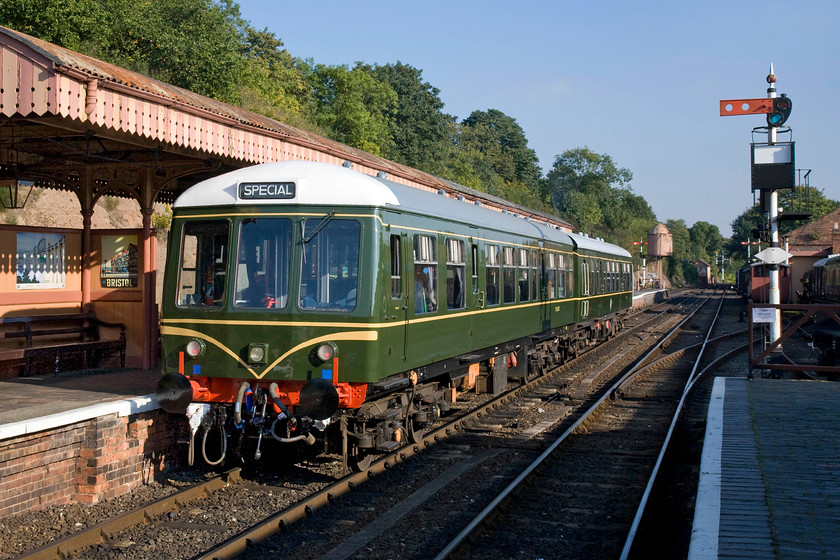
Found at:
[772, 169]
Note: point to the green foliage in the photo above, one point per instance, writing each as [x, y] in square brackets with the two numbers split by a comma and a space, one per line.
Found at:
[194, 44]
[420, 130]
[680, 263]
[706, 241]
[275, 83]
[800, 199]
[501, 139]
[354, 107]
[388, 110]
[162, 221]
[590, 191]
[70, 23]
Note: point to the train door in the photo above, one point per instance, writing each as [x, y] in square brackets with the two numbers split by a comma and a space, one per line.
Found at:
[397, 306]
[584, 289]
[545, 289]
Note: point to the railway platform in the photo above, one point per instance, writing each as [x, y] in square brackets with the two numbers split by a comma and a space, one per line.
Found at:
[84, 436]
[40, 402]
[770, 472]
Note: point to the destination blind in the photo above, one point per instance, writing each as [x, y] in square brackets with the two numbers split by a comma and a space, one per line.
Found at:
[266, 191]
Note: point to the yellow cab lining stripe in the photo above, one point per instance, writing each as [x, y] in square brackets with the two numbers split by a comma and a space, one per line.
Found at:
[347, 324]
[366, 336]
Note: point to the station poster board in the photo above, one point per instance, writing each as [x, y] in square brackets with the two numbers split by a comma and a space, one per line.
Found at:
[119, 261]
[40, 261]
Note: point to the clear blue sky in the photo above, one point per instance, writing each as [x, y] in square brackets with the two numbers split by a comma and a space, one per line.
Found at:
[637, 80]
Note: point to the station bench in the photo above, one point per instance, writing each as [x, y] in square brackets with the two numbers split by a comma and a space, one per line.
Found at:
[58, 339]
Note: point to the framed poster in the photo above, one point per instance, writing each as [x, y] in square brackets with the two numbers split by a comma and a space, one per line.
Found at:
[119, 261]
[40, 261]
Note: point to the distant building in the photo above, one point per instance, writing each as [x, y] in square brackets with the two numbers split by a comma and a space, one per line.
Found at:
[810, 243]
[704, 272]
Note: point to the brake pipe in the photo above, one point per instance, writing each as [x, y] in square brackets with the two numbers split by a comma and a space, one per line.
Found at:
[237, 407]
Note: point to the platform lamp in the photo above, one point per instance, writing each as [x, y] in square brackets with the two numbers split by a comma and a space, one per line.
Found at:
[14, 190]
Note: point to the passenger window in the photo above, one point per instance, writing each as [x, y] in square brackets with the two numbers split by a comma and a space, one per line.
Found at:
[330, 265]
[561, 276]
[523, 274]
[570, 276]
[509, 271]
[425, 274]
[491, 265]
[455, 271]
[535, 277]
[551, 276]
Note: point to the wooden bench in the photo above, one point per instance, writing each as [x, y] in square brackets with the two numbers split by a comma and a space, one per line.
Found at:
[56, 338]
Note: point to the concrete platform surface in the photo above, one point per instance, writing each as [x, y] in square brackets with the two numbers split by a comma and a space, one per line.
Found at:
[770, 473]
[30, 404]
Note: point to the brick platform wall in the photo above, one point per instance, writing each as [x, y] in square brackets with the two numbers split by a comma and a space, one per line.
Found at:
[87, 462]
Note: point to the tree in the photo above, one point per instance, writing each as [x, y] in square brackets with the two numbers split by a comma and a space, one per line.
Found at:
[69, 23]
[194, 44]
[706, 241]
[275, 83]
[420, 130]
[589, 190]
[751, 221]
[502, 140]
[680, 265]
[354, 107]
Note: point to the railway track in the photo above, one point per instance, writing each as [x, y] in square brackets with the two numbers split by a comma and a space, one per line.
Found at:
[493, 440]
[577, 500]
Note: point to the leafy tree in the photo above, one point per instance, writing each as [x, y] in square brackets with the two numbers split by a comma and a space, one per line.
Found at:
[706, 241]
[803, 198]
[503, 141]
[69, 23]
[354, 107]
[194, 44]
[275, 83]
[680, 264]
[589, 190]
[420, 130]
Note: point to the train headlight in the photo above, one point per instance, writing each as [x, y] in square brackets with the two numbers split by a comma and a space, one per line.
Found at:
[257, 353]
[324, 352]
[195, 348]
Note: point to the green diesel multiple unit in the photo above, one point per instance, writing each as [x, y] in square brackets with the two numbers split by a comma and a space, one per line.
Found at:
[297, 294]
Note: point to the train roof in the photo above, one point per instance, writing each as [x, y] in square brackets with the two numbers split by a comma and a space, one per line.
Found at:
[323, 184]
[831, 260]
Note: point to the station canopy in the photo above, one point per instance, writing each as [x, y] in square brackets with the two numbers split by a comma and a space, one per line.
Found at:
[69, 121]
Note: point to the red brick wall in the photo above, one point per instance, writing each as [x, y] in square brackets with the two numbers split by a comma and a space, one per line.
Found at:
[87, 462]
